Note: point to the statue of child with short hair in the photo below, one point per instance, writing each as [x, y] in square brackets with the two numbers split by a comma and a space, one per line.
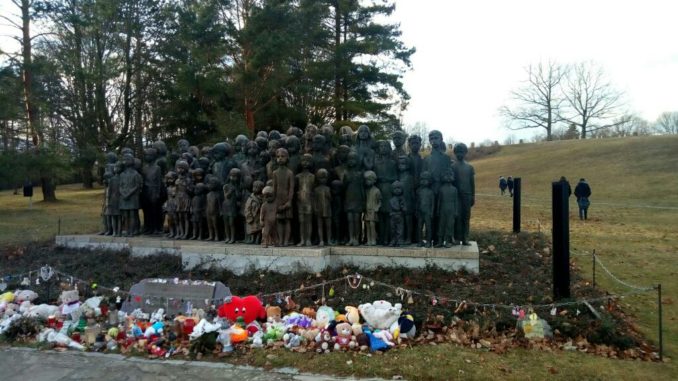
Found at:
[397, 213]
[322, 206]
[268, 218]
[198, 205]
[409, 194]
[354, 198]
[425, 204]
[112, 201]
[283, 186]
[447, 209]
[170, 205]
[305, 182]
[213, 207]
[130, 188]
[373, 204]
[231, 205]
[253, 212]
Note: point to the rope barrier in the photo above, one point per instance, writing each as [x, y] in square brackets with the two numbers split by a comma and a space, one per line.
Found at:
[612, 204]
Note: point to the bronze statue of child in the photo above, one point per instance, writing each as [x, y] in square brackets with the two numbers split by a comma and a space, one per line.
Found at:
[409, 194]
[354, 197]
[184, 188]
[112, 201]
[425, 204]
[268, 217]
[305, 182]
[464, 176]
[213, 207]
[253, 213]
[372, 207]
[198, 206]
[170, 206]
[447, 209]
[398, 209]
[130, 188]
[283, 186]
[231, 204]
[322, 207]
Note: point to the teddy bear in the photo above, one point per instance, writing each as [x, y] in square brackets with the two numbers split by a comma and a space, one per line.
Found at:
[385, 336]
[24, 295]
[324, 316]
[273, 314]
[258, 340]
[70, 303]
[344, 338]
[353, 317]
[291, 340]
[380, 314]
[324, 341]
[404, 327]
[309, 311]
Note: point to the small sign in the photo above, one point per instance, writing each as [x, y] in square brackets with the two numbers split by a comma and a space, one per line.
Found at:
[175, 296]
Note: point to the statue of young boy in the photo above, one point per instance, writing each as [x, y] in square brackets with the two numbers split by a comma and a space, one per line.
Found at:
[372, 207]
[398, 137]
[151, 195]
[322, 206]
[398, 210]
[184, 189]
[464, 175]
[354, 201]
[198, 206]
[213, 207]
[112, 201]
[231, 204]
[448, 210]
[283, 186]
[130, 187]
[387, 172]
[425, 203]
[305, 183]
[268, 217]
[253, 213]
[409, 194]
[293, 146]
[170, 206]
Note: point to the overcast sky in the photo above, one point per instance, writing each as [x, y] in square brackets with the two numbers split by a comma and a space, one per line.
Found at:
[471, 54]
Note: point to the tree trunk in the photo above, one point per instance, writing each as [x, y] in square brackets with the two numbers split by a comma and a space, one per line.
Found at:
[27, 73]
[48, 189]
[249, 117]
[87, 178]
[337, 62]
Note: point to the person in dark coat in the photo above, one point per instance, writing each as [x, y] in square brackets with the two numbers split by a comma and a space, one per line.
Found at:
[502, 184]
[569, 188]
[509, 184]
[582, 192]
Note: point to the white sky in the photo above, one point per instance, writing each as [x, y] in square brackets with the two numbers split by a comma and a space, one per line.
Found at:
[471, 54]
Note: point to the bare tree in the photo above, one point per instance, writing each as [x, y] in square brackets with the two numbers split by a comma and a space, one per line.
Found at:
[667, 123]
[538, 102]
[593, 103]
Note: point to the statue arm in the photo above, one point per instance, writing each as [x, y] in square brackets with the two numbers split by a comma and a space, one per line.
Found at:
[473, 186]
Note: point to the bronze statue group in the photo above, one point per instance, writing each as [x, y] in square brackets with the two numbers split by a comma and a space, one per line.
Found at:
[303, 187]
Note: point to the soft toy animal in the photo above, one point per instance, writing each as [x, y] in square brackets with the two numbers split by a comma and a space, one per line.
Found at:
[238, 334]
[291, 340]
[380, 314]
[249, 308]
[42, 311]
[258, 340]
[274, 332]
[404, 327]
[323, 341]
[323, 317]
[7, 297]
[308, 311]
[24, 295]
[273, 314]
[297, 319]
[353, 317]
[376, 344]
[385, 336]
[204, 327]
[224, 338]
[344, 338]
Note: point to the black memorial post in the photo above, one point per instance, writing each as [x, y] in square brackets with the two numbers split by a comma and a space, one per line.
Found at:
[561, 240]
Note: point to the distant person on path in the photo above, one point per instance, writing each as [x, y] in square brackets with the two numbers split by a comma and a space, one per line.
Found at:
[502, 185]
[569, 188]
[509, 184]
[583, 191]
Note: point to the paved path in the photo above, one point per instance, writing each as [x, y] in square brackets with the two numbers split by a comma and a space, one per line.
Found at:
[30, 364]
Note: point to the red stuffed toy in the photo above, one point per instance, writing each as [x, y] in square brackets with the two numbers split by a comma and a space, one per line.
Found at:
[249, 308]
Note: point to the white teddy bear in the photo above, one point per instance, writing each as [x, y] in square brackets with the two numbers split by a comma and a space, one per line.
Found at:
[380, 314]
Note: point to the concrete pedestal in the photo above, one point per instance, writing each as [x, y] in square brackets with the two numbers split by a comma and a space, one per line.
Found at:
[240, 258]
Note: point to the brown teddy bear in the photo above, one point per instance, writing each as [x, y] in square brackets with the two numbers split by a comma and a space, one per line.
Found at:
[273, 314]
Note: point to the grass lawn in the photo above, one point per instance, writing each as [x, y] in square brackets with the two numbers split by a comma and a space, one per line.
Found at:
[636, 242]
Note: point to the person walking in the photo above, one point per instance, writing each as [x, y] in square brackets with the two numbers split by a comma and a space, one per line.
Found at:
[502, 185]
[582, 192]
[509, 184]
[569, 188]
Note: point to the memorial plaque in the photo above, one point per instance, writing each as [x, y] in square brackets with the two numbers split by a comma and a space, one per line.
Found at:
[176, 296]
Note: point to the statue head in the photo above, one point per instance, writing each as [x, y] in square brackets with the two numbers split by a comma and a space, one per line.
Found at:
[460, 151]
[318, 143]
[219, 151]
[352, 159]
[262, 142]
[414, 143]
[234, 176]
[150, 154]
[273, 145]
[311, 131]
[328, 132]
[194, 151]
[126, 151]
[281, 156]
[321, 176]
[448, 176]
[397, 188]
[293, 144]
[213, 182]
[295, 131]
[435, 137]
[398, 138]
[170, 178]
[384, 147]
[240, 143]
[111, 157]
[200, 188]
[257, 186]
[274, 135]
[370, 178]
[364, 133]
[183, 145]
[181, 167]
[306, 161]
[198, 175]
[252, 149]
[346, 135]
[342, 153]
[128, 160]
[161, 147]
[268, 193]
[206, 151]
[403, 163]
[336, 187]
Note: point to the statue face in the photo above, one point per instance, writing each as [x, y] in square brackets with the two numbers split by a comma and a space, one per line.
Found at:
[318, 143]
[281, 156]
[369, 181]
[183, 145]
[403, 164]
[436, 140]
[321, 177]
[269, 196]
[398, 139]
[363, 132]
[460, 154]
[292, 143]
[306, 161]
[128, 160]
[397, 190]
[257, 187]
[425, 182]
[149, 156]
[415, 145]
[352, 160]
[384, 148]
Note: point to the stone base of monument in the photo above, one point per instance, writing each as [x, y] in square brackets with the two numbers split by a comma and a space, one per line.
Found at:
[240, 258]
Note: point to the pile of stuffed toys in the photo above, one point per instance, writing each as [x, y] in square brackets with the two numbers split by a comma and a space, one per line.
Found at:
[98, 324]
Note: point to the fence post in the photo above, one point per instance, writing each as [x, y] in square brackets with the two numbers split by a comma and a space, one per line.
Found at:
[594, 268]
[561, 240]
[59, 227]
[661, 335]
[516, 205]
